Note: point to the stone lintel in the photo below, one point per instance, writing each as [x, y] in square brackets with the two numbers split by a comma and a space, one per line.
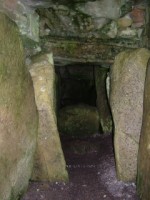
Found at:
[96, 52]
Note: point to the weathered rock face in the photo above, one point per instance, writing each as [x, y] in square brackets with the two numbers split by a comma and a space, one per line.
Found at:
[23, 15]
[102, 100]
[70, 29]
[86, 19]
[18, 116]
[49, 164]
[126, 99]
[143, 182]
[78, 120]
[105, 8]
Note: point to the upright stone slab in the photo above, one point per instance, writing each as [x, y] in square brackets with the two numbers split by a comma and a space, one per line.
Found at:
[49, 163]
[18, 115]
[143, 178]
[126, 99]
[102, 100]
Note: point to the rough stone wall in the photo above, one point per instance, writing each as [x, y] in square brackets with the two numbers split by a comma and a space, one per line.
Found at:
[49, 163]
[126, 99]
[18, 116]
[107, 19]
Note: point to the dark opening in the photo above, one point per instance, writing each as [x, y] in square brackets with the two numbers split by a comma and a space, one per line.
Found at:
[76, 85]
[82, 100]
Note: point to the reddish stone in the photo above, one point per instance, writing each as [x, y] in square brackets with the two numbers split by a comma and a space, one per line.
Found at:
[138, 15]
[10, 4]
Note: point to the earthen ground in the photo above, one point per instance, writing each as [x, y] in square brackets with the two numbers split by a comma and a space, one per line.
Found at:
[92, 174]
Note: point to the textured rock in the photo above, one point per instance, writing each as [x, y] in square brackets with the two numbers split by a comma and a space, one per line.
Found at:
[112, 29]
[138, 15]
[25, 17]
[99, 22]
[87, 19]
[50, 164]
[143, 180]
[102, 100]
[18, 115]
[125, 21]
[128, 33]
[79, 19]
[78, 120]
[126, 99]
[105, 8]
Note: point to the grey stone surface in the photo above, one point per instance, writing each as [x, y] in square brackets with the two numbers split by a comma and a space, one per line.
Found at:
[104, 8]
[18, 115]
[126, 99]
[49, 163]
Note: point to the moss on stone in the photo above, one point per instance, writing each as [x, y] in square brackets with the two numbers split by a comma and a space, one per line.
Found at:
[11, 61]
[18, 130]
[126, 8]
[70, 47]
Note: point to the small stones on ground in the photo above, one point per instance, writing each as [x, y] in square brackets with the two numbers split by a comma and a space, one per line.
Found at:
[81, 166]
[41, 197]
[83, 180]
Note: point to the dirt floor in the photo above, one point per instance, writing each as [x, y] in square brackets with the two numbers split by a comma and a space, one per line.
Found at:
[91, 168]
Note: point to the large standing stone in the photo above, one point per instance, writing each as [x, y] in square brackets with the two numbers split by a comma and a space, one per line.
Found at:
[126, 99]
[50, 164]
[143, 180]
[18, 115]
[102, 100]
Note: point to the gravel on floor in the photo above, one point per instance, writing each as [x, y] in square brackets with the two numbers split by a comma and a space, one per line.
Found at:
[91, 168]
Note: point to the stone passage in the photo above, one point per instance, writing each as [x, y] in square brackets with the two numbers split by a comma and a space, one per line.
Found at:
[83, 107]
[143, 180]
[126, 99]
[49, 164]
[18, 115]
